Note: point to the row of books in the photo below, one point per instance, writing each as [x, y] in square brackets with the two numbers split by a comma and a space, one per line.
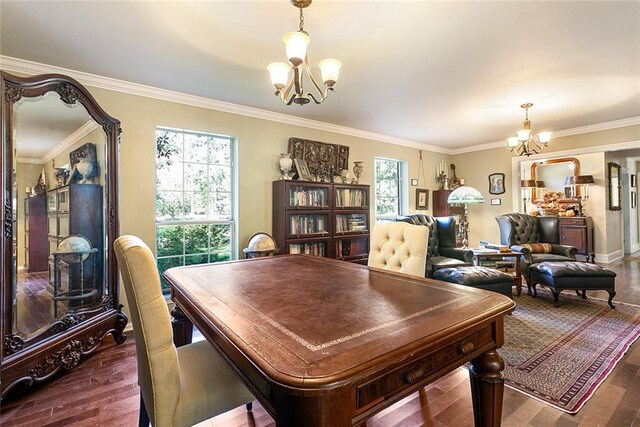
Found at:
[348, 197]
[352, 247]
[300, 196]
[351, 222]
[319, 249]
[308, 224]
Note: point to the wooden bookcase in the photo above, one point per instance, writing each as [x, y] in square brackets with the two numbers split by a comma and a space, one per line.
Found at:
[442, 208]
[322, 219]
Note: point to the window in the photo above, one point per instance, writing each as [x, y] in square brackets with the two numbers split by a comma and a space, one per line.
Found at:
[390, 192]
[195, 196]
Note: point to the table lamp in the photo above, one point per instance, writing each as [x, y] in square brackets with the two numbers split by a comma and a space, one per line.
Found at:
[466, 196]
[527, 185]
[583, 181]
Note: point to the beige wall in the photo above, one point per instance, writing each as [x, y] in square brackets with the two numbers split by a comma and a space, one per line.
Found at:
[259, 145]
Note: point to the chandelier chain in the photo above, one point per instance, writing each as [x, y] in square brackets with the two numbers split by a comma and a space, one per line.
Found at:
[301, 26]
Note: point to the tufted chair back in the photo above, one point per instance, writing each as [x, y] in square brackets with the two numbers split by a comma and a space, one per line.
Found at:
[399, 246]
[430, 222]
[518, 228]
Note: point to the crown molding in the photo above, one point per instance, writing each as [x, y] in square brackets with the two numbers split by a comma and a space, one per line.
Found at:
[29, 67]
[76, 136]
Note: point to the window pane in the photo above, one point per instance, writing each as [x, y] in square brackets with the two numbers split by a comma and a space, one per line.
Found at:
[196, 259]
[195, 148]
[220, 206]
[169, 177]
[169, 240]
[169, 205]
[387, 187]
[195, 177]
[220, 151]
[219, 178]
[168, 147]
[220, 236]
[195, 206]
[196, 239]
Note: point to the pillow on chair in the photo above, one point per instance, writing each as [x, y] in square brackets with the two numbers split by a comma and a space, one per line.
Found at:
[538, 248]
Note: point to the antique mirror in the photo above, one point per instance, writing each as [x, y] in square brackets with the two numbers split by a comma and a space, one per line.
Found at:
[59, 288]
[615, 187]
[553, 173]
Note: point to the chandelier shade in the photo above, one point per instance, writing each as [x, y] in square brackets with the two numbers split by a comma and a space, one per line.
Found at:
[524, 143]
[290, 87]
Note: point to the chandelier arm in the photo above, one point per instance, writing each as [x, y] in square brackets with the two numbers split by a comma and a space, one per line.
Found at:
[287, 91]
[322, 93]
[310, 95]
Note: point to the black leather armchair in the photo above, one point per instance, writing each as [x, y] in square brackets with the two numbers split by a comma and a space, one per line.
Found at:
[441, 249]
[517, 229]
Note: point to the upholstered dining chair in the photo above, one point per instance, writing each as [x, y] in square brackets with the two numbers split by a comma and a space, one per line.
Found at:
[399, 246]
[178, 386]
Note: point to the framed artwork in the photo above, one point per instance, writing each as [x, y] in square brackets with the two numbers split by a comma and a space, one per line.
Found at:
[496, 183]
[634, 199]
[496, 202]
[414, 182]
[422, 198]
[303, 170]
[633, 180]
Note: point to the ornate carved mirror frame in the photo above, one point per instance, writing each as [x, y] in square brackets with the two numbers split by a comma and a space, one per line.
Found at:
[78, 333]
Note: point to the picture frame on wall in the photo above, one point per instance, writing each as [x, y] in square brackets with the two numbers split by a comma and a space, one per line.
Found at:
[303, 170]
[633, 181]
[422, 198]
[496, 202]
[634, 199]
[496, 183]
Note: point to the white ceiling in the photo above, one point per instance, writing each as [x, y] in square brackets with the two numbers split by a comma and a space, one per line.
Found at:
[450, 74]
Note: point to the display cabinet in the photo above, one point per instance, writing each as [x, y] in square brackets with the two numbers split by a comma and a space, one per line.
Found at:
[578, 231]
[321, 219]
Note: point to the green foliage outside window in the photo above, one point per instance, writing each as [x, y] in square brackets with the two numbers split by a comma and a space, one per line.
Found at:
[387, 189]
[194, 223]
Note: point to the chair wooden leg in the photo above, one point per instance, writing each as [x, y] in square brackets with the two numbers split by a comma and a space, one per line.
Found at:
[143, 420]
[249, 406]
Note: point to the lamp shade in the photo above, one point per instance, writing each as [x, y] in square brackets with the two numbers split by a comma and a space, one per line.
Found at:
[579, 180]
[465, 194]
[330, 70]
[279, 73]
[528, 183]
[544, 137]
[512, 142]
[296, 42]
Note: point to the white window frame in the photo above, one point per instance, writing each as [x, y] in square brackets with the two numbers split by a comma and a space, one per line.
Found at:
[403, 189]
[232, 222]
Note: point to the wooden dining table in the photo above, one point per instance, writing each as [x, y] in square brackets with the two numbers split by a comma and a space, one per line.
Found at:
[321, 342]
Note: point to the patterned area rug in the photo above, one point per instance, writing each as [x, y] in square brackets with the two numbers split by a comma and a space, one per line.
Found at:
[561, 355]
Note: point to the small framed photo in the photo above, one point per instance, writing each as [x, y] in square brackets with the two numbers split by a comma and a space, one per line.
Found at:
[634, 199]
[303, 169]
[633, 181]
[422, 198]
[414, 182]
[496, 183]
[496, 202]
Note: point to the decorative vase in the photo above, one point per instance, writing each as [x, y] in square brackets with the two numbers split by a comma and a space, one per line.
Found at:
[85, 168]
[358, 168]
[286, 163]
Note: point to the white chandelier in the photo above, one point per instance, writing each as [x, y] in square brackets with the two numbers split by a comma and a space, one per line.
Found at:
[291, 90]
[525, 144]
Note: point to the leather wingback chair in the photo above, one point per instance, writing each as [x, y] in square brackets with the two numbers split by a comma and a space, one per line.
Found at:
[178, 386]
[441, 249]
[517, 229]
[398, 246]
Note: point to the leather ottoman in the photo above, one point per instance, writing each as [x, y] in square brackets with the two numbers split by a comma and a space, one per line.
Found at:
[578, 276]
[477, 277]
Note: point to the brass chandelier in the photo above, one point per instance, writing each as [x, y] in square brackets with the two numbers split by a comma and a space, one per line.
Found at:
[291, 89]
[524, 143]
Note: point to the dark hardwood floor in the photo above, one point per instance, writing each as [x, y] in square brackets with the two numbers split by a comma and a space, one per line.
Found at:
[102, 391]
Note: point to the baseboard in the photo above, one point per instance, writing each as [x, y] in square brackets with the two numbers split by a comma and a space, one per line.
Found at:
[635, 248]
[609, 258]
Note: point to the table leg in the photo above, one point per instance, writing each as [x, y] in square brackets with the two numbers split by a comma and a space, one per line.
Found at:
[487, 388]
[518, 276]
[182, 327]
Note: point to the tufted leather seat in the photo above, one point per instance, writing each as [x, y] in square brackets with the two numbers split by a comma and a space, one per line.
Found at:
[398, 246]
[517, 229]
[441, 249]
[573, 275]
[477, 277]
